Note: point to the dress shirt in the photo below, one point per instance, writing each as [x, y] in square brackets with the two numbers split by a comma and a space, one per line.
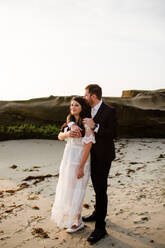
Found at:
[95, 109]
[94, 112]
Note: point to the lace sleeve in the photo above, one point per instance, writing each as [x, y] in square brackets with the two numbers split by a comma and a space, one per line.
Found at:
[89, 135]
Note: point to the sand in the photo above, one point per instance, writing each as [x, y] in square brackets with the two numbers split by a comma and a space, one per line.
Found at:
[136, 192]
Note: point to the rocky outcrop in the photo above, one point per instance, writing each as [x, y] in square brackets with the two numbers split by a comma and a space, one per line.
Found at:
[142, 115]
[35, 118]
[133, 93]
[39, 111]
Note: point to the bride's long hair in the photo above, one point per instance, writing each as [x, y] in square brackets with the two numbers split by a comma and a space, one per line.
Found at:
[85, 113]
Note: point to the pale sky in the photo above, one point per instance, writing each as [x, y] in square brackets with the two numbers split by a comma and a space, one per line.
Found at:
[57, 47]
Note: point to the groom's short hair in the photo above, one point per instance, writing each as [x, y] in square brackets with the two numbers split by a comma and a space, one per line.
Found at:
[94, 89]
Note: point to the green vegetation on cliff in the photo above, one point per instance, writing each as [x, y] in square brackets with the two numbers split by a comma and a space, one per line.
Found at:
[24, 131]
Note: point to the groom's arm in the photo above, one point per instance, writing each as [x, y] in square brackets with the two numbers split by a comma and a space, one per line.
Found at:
[90, 122]
[108, 127]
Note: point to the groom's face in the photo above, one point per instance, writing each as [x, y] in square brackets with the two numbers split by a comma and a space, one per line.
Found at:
[89, 98]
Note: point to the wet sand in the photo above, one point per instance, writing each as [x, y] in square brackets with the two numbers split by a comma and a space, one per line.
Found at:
[136, 192]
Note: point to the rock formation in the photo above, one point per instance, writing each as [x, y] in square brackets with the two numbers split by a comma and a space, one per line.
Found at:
[140, 114]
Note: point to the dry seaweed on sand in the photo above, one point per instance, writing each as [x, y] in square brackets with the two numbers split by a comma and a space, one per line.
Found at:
[39, 232]
[35, 207]
[11, 208]
[12, 191]
[40, 178]
[13, 166]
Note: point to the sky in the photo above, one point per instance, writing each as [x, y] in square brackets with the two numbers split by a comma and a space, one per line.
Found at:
[57, 47]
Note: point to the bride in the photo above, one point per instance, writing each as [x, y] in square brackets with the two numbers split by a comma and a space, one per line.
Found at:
[74, 169]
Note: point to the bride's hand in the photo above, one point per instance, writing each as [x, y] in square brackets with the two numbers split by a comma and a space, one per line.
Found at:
[80, 173]
[75, 131]
[73, 134]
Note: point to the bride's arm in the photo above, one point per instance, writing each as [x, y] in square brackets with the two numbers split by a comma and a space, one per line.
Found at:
[86, 151]
[88, 140]
[63, 135]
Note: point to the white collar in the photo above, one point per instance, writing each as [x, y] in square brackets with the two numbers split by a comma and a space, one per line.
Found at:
[97, 106]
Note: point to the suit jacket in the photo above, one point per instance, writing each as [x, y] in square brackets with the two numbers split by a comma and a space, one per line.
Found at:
[104, 149]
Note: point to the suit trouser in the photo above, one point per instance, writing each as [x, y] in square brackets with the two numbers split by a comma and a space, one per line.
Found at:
[99, 176]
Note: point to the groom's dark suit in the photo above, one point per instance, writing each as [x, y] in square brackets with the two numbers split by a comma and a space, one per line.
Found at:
[102, 154]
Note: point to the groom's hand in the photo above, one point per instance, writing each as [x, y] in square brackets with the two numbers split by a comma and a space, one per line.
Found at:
[89, 122]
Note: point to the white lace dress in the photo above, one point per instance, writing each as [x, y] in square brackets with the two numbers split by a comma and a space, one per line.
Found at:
[70, 190]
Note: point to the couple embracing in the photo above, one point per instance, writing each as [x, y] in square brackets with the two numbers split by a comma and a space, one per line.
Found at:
[89, 132]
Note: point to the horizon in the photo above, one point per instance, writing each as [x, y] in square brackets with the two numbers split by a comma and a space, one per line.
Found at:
[24, 98]
[103, 96]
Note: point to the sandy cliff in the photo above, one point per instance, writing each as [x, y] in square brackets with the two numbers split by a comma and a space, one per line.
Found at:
[140, 114]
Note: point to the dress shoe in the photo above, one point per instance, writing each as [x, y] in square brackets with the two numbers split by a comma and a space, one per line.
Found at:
[96, 235]
[90, 218]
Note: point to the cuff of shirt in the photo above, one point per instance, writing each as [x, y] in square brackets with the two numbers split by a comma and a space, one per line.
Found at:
[96, 128]
[71, 123]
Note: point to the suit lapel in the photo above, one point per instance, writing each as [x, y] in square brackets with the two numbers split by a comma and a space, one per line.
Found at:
[101, 109]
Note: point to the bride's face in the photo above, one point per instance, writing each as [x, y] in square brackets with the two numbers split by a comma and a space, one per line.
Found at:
[75, 108]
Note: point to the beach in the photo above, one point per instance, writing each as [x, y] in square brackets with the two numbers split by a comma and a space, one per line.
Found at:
[29, 172]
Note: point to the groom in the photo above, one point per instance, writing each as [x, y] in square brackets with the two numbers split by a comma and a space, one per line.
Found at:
[104, 123]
